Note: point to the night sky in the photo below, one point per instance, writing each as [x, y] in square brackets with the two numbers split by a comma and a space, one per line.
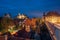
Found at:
[32, 8]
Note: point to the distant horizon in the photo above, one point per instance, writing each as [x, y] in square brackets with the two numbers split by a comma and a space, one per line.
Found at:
[29, 15]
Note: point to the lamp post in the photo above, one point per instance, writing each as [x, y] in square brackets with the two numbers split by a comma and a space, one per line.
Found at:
[44, 16]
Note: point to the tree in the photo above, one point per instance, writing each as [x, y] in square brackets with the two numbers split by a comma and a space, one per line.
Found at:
[5, 23]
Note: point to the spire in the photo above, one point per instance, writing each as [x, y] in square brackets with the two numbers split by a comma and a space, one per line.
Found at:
[19, 14]
[7, 15]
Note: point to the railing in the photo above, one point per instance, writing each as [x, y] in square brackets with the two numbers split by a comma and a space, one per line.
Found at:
[52, 31]
[2, 37]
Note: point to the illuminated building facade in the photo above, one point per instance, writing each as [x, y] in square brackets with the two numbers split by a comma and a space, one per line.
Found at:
[52, 17]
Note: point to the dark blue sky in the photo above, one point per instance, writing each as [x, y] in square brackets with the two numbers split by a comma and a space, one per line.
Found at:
[29, 7]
